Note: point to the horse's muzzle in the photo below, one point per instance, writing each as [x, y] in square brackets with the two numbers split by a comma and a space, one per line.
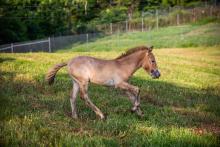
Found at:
[155, 74]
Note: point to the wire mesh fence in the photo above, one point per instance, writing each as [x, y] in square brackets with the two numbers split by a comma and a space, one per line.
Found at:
[149, 20]
[41, 45]
[162, 18]
[65, 42]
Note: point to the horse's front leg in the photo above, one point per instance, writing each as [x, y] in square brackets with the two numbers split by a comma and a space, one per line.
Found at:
[85, 97]
[133, 94]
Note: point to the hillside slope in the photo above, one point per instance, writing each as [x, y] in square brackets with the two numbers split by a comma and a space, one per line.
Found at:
[169, 37]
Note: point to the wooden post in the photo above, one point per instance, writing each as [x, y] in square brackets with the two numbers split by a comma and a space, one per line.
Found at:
[12, 48]
[87, 41]
[194, 15]
[118, 37]
[210, 8]
[49, 44]
[157, 19]
[111, 28]
[177, 19]
[126, 25]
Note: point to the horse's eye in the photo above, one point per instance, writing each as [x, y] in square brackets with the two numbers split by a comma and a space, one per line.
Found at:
[153, 61]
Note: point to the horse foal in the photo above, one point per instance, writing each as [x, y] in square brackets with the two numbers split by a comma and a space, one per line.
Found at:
[115, 72]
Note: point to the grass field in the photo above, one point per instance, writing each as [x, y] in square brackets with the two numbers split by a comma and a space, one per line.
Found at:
[180, 109]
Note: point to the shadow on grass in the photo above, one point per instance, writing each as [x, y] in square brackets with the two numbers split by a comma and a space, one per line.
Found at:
[6, 59]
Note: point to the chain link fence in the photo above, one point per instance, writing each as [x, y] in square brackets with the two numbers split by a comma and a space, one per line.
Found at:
[50, 44]
[41, 45]
[162, 18]
[149, 20]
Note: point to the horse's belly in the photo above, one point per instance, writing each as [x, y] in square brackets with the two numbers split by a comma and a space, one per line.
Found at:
[109, 82]
[106, 80]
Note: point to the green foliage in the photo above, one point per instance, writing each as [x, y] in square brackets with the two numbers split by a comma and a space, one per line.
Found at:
[193, 3]
[32, 19]
[150, 5]
[114, 14]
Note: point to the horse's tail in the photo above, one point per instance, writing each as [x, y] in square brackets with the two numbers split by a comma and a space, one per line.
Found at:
[52, 72]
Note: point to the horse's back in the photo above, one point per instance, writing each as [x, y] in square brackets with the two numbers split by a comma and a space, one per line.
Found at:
[90, 68]
[88, 61]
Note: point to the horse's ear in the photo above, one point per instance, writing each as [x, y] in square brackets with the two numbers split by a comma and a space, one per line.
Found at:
[150, 48]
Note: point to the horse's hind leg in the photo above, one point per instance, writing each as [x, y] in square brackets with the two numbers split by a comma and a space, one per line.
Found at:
[73, 99]
[85, 97]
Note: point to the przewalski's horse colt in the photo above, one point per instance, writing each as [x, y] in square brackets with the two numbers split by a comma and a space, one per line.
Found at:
[115, 72]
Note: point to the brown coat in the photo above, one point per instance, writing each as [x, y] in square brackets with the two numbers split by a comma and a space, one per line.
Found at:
[115, 72]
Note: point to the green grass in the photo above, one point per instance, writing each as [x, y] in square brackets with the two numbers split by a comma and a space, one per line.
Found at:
[180, 109]
[169, 37]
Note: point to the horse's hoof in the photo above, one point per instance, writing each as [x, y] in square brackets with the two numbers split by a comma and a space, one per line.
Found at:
[134, 109]
[103, 117]
[74, 116]
[140, 113]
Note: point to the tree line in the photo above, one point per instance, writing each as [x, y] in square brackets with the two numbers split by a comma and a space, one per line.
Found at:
[32, 19]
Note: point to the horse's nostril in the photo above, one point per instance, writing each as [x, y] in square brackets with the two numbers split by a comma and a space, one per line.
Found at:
[158, 74]
[152, 71]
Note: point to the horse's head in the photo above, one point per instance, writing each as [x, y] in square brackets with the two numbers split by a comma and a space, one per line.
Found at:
[150, 64]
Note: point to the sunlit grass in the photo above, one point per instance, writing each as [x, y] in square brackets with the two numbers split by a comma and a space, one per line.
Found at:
[181, 108]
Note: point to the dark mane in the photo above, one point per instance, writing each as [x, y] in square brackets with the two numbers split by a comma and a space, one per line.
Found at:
[132, 50]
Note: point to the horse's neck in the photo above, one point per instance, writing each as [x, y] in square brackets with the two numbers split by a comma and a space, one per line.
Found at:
[132, 62]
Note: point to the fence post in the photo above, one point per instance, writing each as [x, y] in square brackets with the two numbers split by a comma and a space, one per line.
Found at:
[118, 37]
[142, 24]
[111, 28]
[194, 15]
[12, 48]
[210, 8]
[87, 41]
[177, 19]
[157, 19]
[126, 25]
[49, 42]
